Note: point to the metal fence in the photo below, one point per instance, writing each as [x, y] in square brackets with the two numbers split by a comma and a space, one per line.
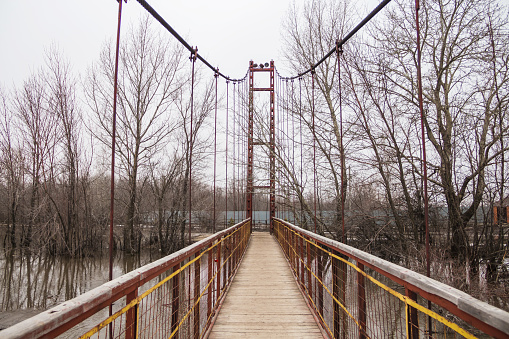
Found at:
[357, 295]
[174, 297]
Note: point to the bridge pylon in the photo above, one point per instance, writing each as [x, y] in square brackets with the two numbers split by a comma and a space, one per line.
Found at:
[267, 68]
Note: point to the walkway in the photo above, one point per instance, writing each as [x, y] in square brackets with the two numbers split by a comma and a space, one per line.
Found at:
[264, 300]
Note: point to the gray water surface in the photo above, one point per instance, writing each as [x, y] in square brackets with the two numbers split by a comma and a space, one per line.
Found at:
[30, 283]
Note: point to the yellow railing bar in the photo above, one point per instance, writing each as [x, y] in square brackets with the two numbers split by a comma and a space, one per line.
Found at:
[311, 298]
[202, 293]
[137, 300]
[398, 295]
[220, 295]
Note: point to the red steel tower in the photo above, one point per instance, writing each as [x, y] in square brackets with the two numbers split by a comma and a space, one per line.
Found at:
[254, 68]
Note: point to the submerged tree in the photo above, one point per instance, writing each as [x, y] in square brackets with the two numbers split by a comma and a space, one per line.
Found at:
[37, 127]
[466, 81]
[12, 162]
[62, 104]
[149, 75]
[463, 98]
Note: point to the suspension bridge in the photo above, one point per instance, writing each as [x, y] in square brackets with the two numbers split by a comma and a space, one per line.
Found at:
[284, 281]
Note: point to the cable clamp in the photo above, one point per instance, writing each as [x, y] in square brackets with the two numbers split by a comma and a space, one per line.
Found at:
[194, 54]
[339, 48]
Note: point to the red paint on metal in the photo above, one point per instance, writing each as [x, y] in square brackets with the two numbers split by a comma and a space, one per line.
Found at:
[218, 271]
[339, 52]
[432, 298]
[361, 301]
[412, 317]
[113, 143]
[131, 320]
[250, 143]
[314, 141]
[272, 152]
[226, 156]
[336, 289]
[210, 274]
[216, 75]
[423, 140]
[175, 304]
[196, 293]
[191, 141]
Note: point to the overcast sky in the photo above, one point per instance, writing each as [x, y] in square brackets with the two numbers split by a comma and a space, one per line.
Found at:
[228, 33]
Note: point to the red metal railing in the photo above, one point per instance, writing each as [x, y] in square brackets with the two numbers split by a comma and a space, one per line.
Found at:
[357, 295]
[174, 297]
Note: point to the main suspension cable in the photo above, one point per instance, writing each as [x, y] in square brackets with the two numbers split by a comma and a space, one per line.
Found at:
[344, 40]
[159, 18]
[163, 22]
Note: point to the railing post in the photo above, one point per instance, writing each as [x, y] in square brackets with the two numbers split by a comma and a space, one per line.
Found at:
[361, 301]
[297, 256]
[302, 268]
[285, 240]
[335, 293]
[310, 283]
[242, 238]
[319, 258]
[236, 249]
[343, 286]
[196, 293]
[226, 261]
[294, 251]
[238, 246]
[218, 270]
[131, 320]
[412, 317]
[210, 275]
[229, 257]
[247, 234]
[175, 304]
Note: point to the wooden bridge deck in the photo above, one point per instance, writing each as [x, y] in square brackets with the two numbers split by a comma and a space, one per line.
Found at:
[264, 300]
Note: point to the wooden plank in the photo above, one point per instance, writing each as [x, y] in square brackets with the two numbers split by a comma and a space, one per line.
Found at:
[264, 300]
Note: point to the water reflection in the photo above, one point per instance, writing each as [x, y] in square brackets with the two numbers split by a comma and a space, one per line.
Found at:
[33, 283]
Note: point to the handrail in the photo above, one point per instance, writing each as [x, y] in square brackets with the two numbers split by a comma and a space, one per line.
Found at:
[322, 266]
[222, 261]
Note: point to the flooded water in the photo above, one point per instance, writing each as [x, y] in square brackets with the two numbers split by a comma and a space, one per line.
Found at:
[32, 283]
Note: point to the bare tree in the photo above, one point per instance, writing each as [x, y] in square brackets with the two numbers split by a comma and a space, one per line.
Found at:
[190, 139]
[461, 105]
[13, 166]
[165, 177]
[310, 34]
[37, 127]
[62, 103]
[149, 76]
[383, 135]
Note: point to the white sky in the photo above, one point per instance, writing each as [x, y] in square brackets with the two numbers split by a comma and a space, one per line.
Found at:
[228, 33]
